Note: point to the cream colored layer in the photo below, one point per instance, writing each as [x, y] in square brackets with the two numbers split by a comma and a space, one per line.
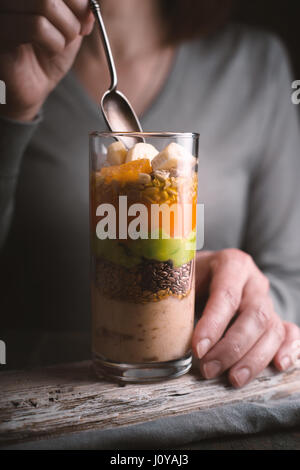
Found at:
[138, 333]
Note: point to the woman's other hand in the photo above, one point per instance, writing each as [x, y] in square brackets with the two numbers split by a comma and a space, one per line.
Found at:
[239, 331]
[39, 40]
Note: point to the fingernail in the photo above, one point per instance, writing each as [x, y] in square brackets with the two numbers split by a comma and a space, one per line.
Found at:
[240, 377]
[212, 369]
[285, 363]
[202, 347]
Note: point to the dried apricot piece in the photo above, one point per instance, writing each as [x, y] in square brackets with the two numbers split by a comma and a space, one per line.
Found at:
[126, 172]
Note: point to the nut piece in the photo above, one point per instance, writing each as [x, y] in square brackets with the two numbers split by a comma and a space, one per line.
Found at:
[144, 178]
[161, 175]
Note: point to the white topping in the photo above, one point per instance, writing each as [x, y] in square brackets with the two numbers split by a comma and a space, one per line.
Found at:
[141, 150]
[174, 156]
[116, 153]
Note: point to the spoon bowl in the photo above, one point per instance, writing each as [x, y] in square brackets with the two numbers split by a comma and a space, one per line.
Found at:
[116, 109]
[120, 116]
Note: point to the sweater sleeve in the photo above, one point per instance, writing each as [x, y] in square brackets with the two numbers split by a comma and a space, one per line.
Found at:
[14, 138]
[273, 228]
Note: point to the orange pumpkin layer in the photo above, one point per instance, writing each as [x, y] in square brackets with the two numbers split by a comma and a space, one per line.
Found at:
[127, 172]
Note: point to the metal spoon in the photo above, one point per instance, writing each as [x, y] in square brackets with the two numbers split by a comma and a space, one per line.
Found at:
[116, 109]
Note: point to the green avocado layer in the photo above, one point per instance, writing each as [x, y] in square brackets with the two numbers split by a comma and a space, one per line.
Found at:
[179, 251]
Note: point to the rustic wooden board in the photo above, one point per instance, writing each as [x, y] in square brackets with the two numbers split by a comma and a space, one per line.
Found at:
[67, 399]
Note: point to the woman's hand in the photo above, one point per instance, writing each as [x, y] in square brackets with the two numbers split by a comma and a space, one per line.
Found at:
[239, 330]
[39, 40]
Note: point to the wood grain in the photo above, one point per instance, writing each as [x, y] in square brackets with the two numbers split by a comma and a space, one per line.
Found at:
[69, 398]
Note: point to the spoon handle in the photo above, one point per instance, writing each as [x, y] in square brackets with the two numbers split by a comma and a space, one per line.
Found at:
[95, 7]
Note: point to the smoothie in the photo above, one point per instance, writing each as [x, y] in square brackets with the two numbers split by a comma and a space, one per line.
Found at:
[143, 288]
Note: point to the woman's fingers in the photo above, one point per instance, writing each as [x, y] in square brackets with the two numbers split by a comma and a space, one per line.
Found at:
[259, 357]
[239, 329]
[60, 15]
[30, 29]
[83, 12]
[289, 352]
[69, 17]
[79, 7]
[250, 325]
[230, 271]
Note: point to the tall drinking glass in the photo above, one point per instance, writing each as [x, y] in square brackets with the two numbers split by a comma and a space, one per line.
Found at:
[143, 240]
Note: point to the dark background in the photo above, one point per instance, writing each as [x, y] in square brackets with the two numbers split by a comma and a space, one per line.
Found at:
[279, 16]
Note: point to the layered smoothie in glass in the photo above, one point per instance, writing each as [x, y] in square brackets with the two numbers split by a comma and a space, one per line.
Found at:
[143, 261]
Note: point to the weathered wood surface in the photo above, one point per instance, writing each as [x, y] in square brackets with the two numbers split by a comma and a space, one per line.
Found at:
[66, 399]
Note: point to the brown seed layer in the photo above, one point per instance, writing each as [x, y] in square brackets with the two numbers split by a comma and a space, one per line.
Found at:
[150, 281]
